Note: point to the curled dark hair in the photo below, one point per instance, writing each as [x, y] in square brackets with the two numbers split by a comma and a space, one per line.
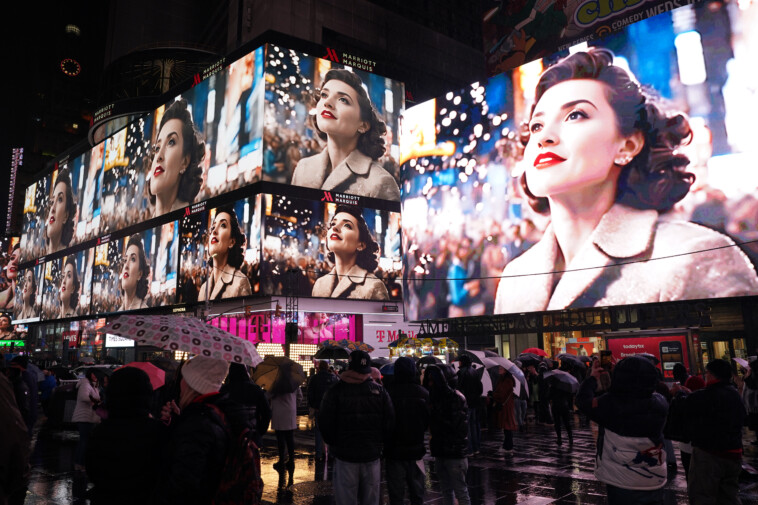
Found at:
[368, 258]
[237, 251]
[67, 233]
[370, 143]
[144, 266]
[74, 300]
[192, 146]
[655, 178]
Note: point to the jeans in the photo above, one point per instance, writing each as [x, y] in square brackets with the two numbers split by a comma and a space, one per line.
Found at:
[85, 429]
[402, 472]
[714, 479]
[561, 415]
[356, 483]
[619, 496]
[520, 408]
[319, 438]
[452, 476]
[474, 435]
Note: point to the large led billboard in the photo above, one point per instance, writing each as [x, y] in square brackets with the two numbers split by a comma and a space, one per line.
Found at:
[323, 249]
[331, 127]
[590, 178]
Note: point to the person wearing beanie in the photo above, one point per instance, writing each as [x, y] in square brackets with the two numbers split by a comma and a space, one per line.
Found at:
[198, 441]
[123, 458]
[406, 445]
[356, 419]
[470, 384]
[714, 417]
[630, 457]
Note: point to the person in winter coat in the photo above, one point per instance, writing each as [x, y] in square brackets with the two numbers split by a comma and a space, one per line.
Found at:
[714, 418]
[749, 397]
[317, 387]
[693, 383]
[198, 442]
[562, 407]
[14, 447]
[630, 458]
[87, 399]
[29, 376]
[470, 384]
[356, 420]
[448, 424]
[124, 453]
[284, 423]
[405, 449]
[248, 402]
[505, 408]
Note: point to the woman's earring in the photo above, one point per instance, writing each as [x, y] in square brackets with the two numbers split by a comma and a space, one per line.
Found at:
[624, 160]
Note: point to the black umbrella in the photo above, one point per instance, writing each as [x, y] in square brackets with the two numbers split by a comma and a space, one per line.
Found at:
[428, 360]
[570, 359]
[379, 362]
[530, 359]
[332, 353]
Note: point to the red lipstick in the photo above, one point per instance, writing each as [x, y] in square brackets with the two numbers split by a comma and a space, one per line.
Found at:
[548, 159]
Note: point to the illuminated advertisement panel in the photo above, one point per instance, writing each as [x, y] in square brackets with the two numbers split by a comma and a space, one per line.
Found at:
[11, 251]
[539, 190]
[28, 295]
[136, 272]
[330, 127]
[66, 287]
[87, 188]
[221, 252]
[329, 250]
[35, 210]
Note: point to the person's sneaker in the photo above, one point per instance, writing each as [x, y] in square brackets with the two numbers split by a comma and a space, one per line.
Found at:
[279, 466]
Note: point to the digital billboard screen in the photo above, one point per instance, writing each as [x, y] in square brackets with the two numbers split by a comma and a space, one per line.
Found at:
[331, 127]
[66, 287]
[10, 254]
[221, 251]
[328, 250]
[590, 178]
[28, 299]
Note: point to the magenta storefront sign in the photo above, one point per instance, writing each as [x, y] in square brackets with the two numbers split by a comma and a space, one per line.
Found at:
[314, 327]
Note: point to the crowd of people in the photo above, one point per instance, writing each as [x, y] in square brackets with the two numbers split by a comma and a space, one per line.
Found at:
[196, 439]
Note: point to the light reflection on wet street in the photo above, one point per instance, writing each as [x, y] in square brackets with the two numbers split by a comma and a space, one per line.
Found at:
[538, 473]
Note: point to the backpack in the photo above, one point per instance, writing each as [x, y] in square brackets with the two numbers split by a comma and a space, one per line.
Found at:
[241, 482]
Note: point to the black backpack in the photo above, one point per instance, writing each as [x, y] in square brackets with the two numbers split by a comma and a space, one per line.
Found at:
[241, 482]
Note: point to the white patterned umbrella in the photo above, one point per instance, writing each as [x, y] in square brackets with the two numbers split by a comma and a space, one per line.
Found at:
[188, 334]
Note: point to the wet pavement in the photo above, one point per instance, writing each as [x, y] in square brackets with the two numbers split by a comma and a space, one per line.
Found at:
[538, 473]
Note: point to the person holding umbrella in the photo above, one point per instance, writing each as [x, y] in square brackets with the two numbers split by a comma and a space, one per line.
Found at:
[198, 442]
[506, 418]
[251, 404]
[284, 397]
[317, 387]
[87, 397]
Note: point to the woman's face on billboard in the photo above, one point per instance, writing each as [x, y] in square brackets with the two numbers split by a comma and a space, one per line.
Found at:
[12, 269]
[168, 161]
[57, 216]
[338, 113]
[343, 235]
[574, 139]
[28, 281]
[221, 235]
[67, 284]
[130, 273]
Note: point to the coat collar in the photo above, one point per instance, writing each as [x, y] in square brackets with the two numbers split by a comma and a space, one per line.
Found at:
[623, 233]
[356, 163]
[356, 275]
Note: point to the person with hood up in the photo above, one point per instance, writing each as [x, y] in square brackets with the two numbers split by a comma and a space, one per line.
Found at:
[317, 387]
[249, 401]
[356, 420]
[714, 419]
[405, 450]
[448, 424]
[198, 441]
[123, 457]
[630, 458]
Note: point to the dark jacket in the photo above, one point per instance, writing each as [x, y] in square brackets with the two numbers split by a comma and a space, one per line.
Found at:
[448, 424]
[470, 385]
[124, 460]
[715, 416]
[14, 447]
[410, 401]
[356, 418]
[197, 450]
[245, 406]
[318, 386]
